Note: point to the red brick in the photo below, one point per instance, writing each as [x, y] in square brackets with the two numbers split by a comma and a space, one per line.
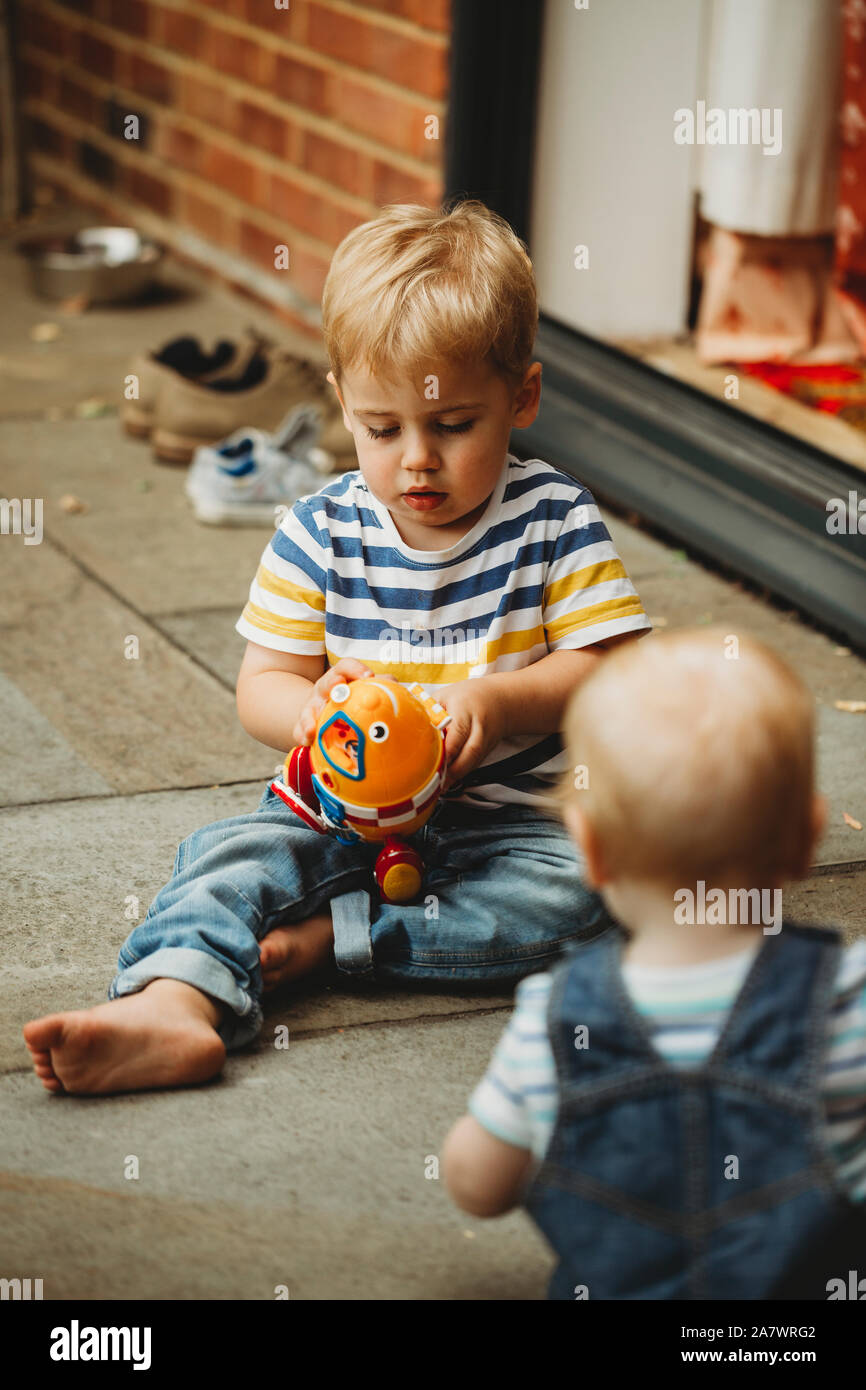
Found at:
[92, 8]
[150, 79]
[415, 63]
[156, 194]
[34, 80]
[308, 273]
[341, 165]
[44, 136]
[301, 84]
[393, 185]
[262, 129]
[286, 24]
[236, 56]
[77, 100]
[51, 35]
[128, 15]
[308, 210]
[209, 103]
[430, 14]
[386, 118]
[205, 217]
[96, 56]
[260, 246]
[229, 171]
[184, 33]
[289, 204]
[180, 147]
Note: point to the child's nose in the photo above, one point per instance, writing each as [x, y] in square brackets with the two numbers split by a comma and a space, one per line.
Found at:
[419, 453]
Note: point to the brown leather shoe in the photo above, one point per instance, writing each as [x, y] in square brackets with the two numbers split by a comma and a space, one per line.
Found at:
[182, 357]
[193, 413]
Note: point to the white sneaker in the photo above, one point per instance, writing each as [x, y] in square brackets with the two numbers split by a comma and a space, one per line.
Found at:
[243, 480]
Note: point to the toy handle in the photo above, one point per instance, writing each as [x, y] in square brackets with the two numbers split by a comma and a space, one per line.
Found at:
[437, 713]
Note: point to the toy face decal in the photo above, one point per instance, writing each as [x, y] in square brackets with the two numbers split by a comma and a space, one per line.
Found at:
[342, 744]
[379, 731]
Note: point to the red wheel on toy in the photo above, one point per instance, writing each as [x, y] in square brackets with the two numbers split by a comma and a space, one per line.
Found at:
[399, 871]
[299, 774]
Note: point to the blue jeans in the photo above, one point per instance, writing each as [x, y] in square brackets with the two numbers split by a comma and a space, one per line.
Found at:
[502, 895]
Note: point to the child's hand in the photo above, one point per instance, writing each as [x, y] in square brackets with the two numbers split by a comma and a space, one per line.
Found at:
[478, 723]
[347, 669]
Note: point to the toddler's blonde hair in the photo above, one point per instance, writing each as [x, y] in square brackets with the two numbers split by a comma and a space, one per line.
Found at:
[417, 284]
[698, 751]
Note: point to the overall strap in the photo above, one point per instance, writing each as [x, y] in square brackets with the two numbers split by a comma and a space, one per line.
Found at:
[777, 1027]
[596, 1034]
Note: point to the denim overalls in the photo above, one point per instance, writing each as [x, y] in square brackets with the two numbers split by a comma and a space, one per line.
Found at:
[711, 1182]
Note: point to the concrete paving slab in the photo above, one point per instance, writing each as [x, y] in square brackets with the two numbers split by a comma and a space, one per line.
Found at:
[35, 756]
[325, 1192]
[211, 638]
[78, 875]
[153, 721]
[832, 899]
[145, 546]
[641, 553]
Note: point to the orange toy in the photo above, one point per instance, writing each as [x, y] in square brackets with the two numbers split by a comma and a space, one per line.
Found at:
[374, 772]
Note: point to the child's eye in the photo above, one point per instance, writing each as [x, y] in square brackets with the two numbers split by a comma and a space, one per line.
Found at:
[446, 429]
[456, 429]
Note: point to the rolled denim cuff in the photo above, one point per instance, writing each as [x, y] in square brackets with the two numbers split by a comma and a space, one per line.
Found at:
[353, 947]
[242, 1017]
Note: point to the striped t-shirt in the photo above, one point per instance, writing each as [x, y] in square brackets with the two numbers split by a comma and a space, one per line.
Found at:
[685, 1008]
[537, 573]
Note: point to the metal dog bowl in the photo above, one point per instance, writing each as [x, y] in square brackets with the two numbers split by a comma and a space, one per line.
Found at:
[104, 264]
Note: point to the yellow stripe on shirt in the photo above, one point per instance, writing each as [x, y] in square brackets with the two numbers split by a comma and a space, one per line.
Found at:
[623, 607]
[585, 578]
[285, 588]
[283, 627]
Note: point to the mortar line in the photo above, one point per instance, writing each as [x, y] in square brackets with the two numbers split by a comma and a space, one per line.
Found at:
[127, 796]
[396, 1022]
[133, 608]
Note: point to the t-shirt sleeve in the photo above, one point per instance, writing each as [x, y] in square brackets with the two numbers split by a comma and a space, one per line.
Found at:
[516, 1098]
[286, 605]
[588, 597]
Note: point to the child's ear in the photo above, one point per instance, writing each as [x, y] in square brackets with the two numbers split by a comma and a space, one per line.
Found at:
[815, 832]
[527, 398]
[820, 809]
[333, 380]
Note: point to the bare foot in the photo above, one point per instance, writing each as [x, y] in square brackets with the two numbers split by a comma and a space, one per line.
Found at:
[165, 1035]
[289, 952]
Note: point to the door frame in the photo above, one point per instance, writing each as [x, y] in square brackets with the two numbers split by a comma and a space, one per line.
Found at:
[730, 487]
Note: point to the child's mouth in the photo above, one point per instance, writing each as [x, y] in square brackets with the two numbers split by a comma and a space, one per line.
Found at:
[424, 501]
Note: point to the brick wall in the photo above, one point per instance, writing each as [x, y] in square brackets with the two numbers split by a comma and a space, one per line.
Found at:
[257, 126]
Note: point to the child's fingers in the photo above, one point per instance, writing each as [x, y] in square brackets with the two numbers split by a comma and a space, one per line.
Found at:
[347, 668]
[467, 757]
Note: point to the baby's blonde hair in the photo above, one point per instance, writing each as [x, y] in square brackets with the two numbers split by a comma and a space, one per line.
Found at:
[416, 285]
[697, 748]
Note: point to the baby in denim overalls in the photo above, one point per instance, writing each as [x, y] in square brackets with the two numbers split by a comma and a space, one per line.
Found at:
[442, 560]
[681, 1103]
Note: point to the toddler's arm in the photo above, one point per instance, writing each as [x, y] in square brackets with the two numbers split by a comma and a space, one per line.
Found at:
[484, 1175]
[279, 694]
